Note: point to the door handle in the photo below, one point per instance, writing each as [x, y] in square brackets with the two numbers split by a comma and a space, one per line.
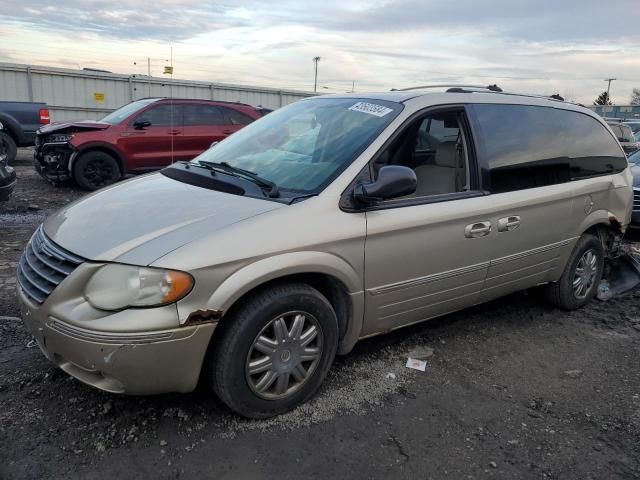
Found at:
[475, 230]
[507, 224]
[174, 132]
[227, 132]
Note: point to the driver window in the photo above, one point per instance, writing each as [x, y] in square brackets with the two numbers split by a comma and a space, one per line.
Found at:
[162, 115]
[434, 147]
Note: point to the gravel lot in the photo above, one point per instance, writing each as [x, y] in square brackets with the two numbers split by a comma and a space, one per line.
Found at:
[514, 389]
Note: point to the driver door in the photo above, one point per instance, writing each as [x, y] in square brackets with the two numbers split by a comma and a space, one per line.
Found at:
[155, 146]
[427, 254]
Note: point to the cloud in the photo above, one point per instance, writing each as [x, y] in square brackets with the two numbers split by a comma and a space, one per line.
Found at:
[161, 19]
[541, 46]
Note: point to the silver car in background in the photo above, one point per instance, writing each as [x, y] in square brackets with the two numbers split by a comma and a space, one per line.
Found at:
[330, 220]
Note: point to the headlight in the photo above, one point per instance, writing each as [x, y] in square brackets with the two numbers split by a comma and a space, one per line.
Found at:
[114, 287]
[59, 138]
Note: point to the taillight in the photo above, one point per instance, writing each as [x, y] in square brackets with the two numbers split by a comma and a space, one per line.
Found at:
[44, 116]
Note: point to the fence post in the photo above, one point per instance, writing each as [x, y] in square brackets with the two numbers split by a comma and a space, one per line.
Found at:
[29, 83]
[280, 96]
[211, 90]
[130, 89]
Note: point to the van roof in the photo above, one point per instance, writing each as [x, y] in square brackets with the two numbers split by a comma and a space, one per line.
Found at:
[465, 95]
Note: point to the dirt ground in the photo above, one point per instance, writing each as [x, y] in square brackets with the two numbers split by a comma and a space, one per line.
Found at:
[514, 389]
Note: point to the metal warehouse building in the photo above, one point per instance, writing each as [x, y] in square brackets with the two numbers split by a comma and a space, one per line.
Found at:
[74, 94]
[624, 112]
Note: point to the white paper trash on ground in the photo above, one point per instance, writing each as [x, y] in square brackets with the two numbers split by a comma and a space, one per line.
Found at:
[416, 364]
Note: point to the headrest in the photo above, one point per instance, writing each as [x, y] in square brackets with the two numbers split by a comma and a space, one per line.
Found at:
[446, 155]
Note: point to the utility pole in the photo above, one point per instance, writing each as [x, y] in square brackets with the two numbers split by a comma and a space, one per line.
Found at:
[315, 81]
[609, 80]
[353, 86]
[149, 75]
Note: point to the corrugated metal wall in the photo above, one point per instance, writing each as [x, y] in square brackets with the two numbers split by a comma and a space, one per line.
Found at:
[624, 112]
[77, 94]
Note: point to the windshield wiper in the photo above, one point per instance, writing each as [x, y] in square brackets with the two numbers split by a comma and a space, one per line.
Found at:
[267, 186]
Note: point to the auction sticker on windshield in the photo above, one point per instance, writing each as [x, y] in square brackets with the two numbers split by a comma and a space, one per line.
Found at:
[370, 108]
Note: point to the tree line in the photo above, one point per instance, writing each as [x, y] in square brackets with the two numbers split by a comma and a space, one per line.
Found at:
[603, 98]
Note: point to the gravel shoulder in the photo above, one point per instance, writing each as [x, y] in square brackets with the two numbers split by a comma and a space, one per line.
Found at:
[514, 389]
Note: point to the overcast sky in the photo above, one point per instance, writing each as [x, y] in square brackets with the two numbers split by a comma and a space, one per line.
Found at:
[536, 46]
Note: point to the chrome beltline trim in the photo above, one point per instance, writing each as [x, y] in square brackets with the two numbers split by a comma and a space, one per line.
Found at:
[415, 282]
[533, 251]
[427, 279]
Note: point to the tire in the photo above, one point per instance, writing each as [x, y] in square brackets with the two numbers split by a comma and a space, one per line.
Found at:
[264, 393]
[94, 170]
[8, 148]
[563, 293]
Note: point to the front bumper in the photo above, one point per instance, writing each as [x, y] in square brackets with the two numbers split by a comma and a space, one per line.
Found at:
[137, 363]
[51, 160]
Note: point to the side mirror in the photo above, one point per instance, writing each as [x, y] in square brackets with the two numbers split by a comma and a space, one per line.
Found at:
[393, 181]
[140, 123]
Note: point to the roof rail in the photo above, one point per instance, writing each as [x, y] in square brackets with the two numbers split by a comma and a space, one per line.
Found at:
[451, 87]
[485, 89]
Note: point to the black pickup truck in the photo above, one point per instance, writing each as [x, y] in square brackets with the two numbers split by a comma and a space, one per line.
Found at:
[20, 120]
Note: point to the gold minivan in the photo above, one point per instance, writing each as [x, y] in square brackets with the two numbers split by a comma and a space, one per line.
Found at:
[330, 220]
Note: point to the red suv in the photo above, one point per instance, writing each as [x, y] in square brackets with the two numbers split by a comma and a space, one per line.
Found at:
[141, 136]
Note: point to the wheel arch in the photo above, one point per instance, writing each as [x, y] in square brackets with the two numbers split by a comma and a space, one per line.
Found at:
[605, 226]
[330, 275]
[97, 147]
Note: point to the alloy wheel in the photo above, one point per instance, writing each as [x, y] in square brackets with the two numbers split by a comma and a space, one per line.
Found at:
[284, 355]
[585, 274]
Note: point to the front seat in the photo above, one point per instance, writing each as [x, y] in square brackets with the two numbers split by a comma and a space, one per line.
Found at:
[444, 175]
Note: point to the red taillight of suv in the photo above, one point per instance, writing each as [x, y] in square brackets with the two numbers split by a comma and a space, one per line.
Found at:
[45, 118]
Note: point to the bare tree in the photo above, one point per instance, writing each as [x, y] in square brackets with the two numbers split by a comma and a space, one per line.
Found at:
[635, 96]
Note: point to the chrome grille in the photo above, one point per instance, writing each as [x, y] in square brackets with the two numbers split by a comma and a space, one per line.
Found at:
[636, 199]
[43, 265]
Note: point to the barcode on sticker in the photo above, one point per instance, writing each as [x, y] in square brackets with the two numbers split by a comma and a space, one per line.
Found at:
[370, 108]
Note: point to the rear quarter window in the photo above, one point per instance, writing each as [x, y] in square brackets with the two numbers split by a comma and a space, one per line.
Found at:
[528, 146]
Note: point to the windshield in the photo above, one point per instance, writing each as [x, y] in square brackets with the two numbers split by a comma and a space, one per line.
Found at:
[303, 146]
[125, 111]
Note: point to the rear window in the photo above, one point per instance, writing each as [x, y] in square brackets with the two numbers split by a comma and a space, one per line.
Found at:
[237, 118]
[528, 147]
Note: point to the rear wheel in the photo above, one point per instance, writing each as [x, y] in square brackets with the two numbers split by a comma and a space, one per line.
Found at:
[8, 148]
[275, 351]
[94, 170]
[581, 276]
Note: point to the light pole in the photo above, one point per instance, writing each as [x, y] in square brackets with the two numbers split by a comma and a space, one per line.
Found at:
[609, 80]
[315, 78]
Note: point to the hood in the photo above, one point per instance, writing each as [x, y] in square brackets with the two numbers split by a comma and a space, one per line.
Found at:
[140, 220]
[73, 126]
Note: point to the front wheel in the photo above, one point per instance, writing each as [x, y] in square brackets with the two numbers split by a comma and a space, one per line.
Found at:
[274, 352]
[581, 276]
[8, 149]
[94, 170]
